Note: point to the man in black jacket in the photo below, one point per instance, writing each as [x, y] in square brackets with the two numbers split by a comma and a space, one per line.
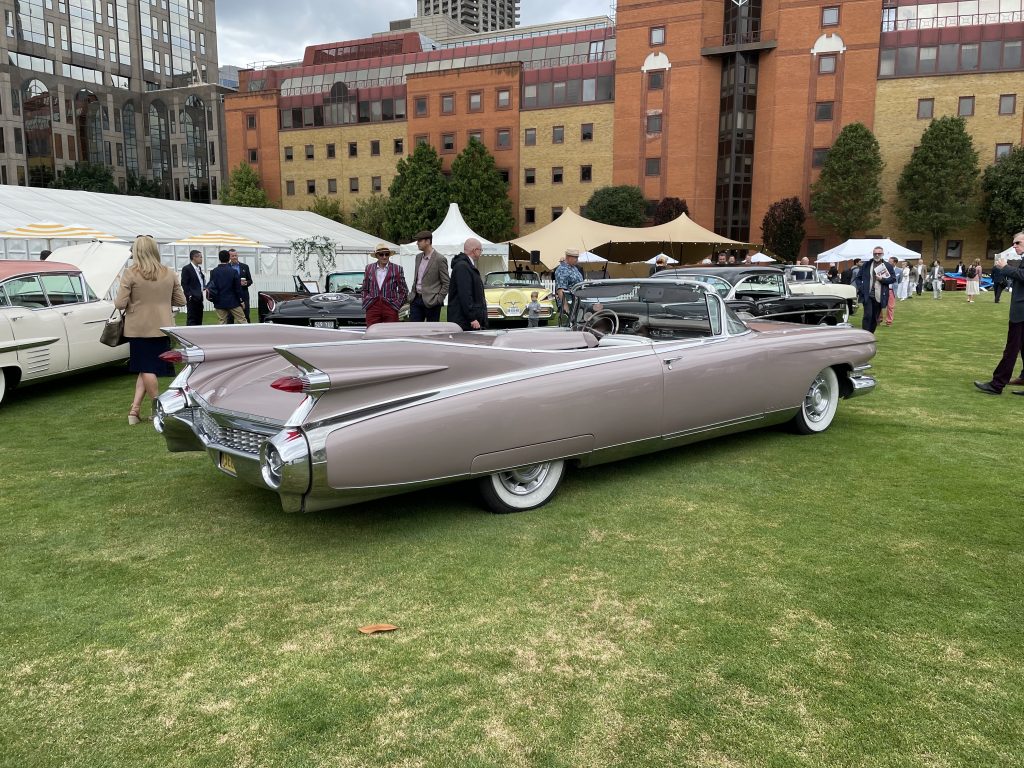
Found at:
[225, 290]
[1015, 330]
[466, 303]
[193, 283]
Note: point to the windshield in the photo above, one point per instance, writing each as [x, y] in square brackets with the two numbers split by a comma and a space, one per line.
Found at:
[344, 282]
[524, 279]
[656, 310]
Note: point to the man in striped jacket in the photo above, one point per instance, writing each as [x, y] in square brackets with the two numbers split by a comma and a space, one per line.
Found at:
[384, 288]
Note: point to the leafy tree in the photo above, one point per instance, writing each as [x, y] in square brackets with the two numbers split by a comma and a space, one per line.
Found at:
[939, 183]
[482, 195]
[1002, 206]
[141, 186]
[370, 215]
[623, 206]
[419, 194]
[783, 228]
[848, 196]
[669, 209]
[243, 188]
[328, 208]
[91, 177]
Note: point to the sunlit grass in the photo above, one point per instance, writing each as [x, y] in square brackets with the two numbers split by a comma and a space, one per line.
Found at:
[852, 598]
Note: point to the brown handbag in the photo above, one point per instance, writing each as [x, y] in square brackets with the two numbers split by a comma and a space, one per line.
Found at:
[113, 330]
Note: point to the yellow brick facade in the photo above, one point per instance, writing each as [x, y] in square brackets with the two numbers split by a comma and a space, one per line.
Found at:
[571, 156]
[899, 130]
[343, 167]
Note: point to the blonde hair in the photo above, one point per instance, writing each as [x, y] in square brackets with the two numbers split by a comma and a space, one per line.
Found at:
[146, 258]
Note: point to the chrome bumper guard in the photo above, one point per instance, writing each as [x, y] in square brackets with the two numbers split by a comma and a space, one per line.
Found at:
[862, 384]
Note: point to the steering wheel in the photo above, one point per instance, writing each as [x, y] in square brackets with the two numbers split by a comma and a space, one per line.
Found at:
[603, 316]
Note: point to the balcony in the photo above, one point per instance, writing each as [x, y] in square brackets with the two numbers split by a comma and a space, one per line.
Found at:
[736, 42]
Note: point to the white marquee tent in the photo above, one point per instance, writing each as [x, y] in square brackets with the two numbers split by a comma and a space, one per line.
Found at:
[449, 238]
[862, 248]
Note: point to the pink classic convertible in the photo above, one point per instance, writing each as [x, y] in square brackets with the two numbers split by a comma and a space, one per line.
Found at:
[326, 418]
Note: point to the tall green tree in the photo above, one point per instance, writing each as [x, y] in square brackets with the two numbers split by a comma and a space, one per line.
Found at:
[783, 228]
[481, 193]
[938, 186]
[328, 208]
[370, 215]
[140, 186]
[623, 206]
[418, 194]
[91, 177]
[848, 194]
[1002, 206]
[243, 188]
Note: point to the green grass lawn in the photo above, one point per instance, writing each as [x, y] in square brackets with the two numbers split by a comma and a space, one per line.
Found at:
[847, 599]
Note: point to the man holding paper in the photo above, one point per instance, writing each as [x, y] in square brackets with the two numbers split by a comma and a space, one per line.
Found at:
[872, 284]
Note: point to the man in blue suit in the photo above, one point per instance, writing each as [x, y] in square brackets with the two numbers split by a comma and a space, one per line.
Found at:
[872, 284]
[193, 283]
[225, 291]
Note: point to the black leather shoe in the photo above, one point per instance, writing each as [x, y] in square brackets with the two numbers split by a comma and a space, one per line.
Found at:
[1018, 391]
[987, 388]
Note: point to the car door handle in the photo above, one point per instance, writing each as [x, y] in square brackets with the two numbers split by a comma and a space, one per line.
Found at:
[668, 361]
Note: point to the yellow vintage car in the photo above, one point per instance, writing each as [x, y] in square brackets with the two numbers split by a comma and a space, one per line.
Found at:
[508, 293]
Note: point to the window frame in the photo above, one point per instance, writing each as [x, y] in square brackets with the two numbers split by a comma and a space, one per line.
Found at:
[819, 106]
[498, 133]
[417, 101]
[480, 101]
[816, 153]
[656, 35]
[250, 121]
[447, 103]
[353, 184]
[310, 152]
[557, 174]
[586, 174]
[825, 11]
[656, 80]
[501, 93]
[529, 137]
[289, 154]
[1005, 148]
[331, 152]
[921, 103]
[447, 138]
[529, 177]
[584, 135]
[558, 134]
[832, 57]
[1013, 108]
[961, 102]
[353, 149]
[652, 167]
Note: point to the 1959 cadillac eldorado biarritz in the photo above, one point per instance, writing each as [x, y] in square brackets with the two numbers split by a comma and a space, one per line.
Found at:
[326, 418]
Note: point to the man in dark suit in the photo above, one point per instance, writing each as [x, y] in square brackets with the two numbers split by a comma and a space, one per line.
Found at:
[429, 281]
[193, 283]
[872, 284]
[846, 278]
[225, 290]
[1015, 330]
[245, 276]
[467, 306]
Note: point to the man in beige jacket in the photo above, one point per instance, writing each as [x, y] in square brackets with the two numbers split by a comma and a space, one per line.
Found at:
[429, 284]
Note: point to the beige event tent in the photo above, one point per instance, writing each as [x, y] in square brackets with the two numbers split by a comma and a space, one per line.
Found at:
[681, 238]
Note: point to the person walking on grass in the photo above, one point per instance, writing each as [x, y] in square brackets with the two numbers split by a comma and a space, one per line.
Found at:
[872, 284]
[937, 274]
[973, 280]
[1015, 329]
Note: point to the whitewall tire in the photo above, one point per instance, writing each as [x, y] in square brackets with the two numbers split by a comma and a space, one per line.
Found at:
[818, 408]
[522, 488]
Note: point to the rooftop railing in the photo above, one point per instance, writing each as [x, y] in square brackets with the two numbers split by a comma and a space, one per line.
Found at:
[942, 22]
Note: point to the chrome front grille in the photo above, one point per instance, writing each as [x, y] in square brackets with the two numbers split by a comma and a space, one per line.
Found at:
[244, 441]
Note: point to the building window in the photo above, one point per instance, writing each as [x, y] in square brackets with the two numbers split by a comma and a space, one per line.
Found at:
[556, 175]
[830, 16]
[818, 157]
[288, 154]
[530, 215]
[915, 245]
[475, 134]
[353, 149]
[954, 249]
[447, 103]
[330, 151]
[827, 64]
[504, 138]
[375, 148]
[353, 184]
[476, 101]
[503, 174]
[420, 106]
[289, 188]
[447, 142]
[652, 166]
[823, 110]
[1008, 104]
[586, 174]
[529, 176]
[655, 80]
[530, 137]
[558, 134]
[332, 186]
[310, 186]
[556, 212]
[309, 152]
[657, 36]
[1002, 150]
[504, 98]
[253, 155]
[421, 139]
[965, 107]
[250, 121]
[399, 146]
[925, 109]
[375, 184]
[587, 132]
[654, 123]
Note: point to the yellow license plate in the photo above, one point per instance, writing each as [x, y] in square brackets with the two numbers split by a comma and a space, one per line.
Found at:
[228, 464]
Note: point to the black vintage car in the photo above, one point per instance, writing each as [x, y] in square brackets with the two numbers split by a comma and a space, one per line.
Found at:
[341, 304]
[763, 292]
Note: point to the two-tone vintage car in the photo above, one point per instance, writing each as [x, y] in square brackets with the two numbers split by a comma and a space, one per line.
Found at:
[765, 292]
[51, 317]
[341, 304]
[325, 418]
[804, 279]
[508, 293]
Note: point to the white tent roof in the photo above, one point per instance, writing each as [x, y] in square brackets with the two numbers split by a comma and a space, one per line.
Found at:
[862, 248]
[452, 233]
[167, 220]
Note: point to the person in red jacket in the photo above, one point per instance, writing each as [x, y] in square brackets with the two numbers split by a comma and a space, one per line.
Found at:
[384, 288]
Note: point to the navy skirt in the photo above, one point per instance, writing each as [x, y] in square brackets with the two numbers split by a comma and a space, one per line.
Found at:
[144, 355]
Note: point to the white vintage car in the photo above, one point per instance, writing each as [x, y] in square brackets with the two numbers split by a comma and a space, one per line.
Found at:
[808, 280]
[52, 312]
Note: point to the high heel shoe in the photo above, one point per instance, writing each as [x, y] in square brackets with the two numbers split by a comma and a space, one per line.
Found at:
[133, 417]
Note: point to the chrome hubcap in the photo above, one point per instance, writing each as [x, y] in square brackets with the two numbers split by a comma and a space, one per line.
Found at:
[524, 480]
[817, 401]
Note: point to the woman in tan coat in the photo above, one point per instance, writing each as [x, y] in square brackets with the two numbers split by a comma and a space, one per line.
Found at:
[147, 292]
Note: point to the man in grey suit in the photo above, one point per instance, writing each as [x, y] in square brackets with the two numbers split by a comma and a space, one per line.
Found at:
[429, 284]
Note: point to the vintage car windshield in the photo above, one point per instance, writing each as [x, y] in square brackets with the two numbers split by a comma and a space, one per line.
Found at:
[512, 280]
[760, 286]
[63, 289]
[344, 282]
[717, 284]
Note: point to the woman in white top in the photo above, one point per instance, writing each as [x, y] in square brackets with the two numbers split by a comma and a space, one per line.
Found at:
[904, 289]
[973, 280]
